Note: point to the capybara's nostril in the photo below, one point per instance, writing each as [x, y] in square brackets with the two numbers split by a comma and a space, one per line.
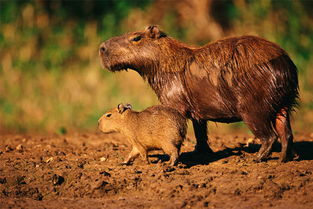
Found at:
[102, 49]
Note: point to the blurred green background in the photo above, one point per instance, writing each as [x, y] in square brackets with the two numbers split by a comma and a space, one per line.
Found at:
[50, 74]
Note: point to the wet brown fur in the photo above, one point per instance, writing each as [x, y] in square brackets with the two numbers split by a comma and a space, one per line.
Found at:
[157, 127]
[241, 78]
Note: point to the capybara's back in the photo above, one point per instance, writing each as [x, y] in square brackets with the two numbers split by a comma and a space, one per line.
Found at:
[157, 127]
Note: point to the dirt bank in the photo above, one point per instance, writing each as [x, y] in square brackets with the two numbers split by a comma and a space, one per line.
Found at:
[82, 171]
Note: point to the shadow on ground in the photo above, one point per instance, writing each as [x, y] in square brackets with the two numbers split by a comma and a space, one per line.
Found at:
[304, 150]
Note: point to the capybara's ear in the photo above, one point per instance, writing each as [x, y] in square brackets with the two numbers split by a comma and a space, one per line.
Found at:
[153, 31]
[128, 106]
[120, 108]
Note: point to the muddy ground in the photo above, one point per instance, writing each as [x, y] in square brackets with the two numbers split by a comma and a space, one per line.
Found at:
[83, 171]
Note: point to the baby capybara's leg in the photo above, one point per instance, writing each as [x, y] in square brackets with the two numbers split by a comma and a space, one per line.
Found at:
[200, 130]
[173, 152]
[283, 129]
[261, 127]
[131, 156]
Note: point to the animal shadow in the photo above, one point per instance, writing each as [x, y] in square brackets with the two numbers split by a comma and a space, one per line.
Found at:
[191, 159]
[303, 150]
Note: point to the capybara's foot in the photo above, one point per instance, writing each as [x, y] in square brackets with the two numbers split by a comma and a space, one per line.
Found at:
[262, 155]
[126, 163]
[203, 150]
[265, 150]
[289, 156]
[174, 162]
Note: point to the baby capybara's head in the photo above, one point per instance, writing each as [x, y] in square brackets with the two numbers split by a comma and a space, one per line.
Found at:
[114, 120]
[137, 50]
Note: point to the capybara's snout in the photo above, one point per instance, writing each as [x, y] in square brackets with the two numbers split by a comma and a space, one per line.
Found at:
[99, 122]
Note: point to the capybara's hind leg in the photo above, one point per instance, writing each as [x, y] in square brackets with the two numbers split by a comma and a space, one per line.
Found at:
[283, 129]
[174, 157]
[262, 129]
[200, 130]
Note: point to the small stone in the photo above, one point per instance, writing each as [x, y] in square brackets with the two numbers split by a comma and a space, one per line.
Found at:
[237, 192]
[138, 172]
[57, 180]
[50, 159]
[105, 173]
[8, 148]
[224, 161]
[244, 173]
[102, 159]
[81, 164]
[19, 148]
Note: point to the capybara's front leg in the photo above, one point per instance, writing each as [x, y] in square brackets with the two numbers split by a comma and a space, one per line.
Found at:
[266, 149]
[131, 156]
[200, 129]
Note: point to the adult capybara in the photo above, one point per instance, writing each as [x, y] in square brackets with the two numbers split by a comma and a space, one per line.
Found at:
[243, 78]
[157, 127]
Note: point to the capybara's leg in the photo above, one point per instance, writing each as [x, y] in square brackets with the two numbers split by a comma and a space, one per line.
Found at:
[266, 148]
[173, 152]
[143, 153]
[283, 129]
[261, 127]
[131, 156]
[200, 130]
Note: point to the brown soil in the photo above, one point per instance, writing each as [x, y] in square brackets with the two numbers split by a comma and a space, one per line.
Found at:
[83, 171]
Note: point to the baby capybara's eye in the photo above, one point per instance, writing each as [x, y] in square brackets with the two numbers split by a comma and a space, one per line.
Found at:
[137, 38]
[108, 115]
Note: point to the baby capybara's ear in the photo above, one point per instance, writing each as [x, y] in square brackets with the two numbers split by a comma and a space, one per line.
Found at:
[121, 108]
[153, 31]
[128, 106]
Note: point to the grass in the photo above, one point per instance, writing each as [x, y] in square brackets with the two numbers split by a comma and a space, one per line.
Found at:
[50, 75]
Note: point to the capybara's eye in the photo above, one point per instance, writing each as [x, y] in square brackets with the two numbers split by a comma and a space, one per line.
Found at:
[137, 38]
[108, 115]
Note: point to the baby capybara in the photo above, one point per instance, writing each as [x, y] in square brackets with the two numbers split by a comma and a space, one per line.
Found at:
[244, 78]
[157, 127]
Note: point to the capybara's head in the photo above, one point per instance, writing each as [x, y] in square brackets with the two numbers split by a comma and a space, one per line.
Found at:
[137, 50]
[114, 120]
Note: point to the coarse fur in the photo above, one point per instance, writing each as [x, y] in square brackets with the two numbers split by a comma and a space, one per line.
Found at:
[243, 78]
[157, 127]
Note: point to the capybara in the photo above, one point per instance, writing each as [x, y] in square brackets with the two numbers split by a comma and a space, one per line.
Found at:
[244, 78]
[157, 127]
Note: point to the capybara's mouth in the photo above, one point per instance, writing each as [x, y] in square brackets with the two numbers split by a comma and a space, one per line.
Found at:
[116, 67]
[108, 132]
[114, 63]
[112, 67]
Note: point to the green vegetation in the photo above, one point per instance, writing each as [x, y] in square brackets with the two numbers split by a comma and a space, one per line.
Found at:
[50, 74]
